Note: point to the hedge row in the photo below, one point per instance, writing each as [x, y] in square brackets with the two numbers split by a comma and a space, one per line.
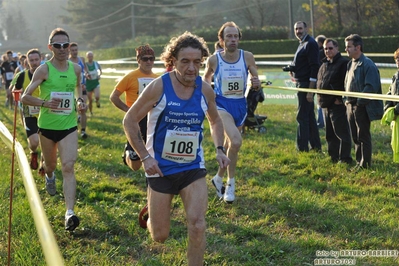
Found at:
[378, 44]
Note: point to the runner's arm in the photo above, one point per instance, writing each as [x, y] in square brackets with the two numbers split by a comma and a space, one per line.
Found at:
[136, 113]
[216, 124]
[115, 98]
[209, 69]
[39, 76]
[253, 70]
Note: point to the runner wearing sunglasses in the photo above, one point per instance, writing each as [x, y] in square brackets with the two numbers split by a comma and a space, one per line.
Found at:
[132, 84]
[59, 81]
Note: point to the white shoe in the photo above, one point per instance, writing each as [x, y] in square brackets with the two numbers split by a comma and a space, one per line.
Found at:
[219, 186]
[229, 194]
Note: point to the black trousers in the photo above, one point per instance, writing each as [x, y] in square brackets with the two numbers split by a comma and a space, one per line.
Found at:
[338, 134]
[359, 123]
[307, 132]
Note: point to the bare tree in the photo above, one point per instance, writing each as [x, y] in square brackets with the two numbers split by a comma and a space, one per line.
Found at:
[259, 13]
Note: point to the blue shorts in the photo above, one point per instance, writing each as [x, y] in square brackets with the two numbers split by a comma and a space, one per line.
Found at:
[236, 107]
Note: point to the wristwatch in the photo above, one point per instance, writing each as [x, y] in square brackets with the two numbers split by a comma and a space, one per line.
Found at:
[221, 148]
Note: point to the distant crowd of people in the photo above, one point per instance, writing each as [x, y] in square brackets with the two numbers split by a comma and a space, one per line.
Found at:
[164, 114]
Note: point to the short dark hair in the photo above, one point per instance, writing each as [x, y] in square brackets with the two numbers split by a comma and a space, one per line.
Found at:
[229, 24]
[9, 52]
[334, 42]
[303, 22]
[55, 32]
[73, 44]
[356, 40]
[33, 51]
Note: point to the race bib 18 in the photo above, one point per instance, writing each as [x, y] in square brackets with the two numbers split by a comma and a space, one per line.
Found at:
[66, 104]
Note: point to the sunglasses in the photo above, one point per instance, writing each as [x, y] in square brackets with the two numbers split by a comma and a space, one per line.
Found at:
[145, 59]
[60, 45]
[328, 48]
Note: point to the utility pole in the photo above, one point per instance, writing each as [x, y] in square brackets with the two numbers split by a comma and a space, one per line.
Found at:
[311, 17]
[133, 26]
[290, 19]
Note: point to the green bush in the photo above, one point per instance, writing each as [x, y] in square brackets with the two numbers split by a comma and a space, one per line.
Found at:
[261, 45]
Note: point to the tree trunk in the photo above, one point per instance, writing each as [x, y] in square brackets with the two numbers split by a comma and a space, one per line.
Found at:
[339, 17]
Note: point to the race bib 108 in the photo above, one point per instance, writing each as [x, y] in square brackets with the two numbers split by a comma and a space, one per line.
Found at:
[180, 146]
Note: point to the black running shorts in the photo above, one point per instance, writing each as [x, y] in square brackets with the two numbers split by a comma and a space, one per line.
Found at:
[31, 125]
[172, 184]
[56, 135]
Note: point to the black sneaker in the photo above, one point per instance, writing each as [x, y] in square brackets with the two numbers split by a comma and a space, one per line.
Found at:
[83, 135]
[71, 222]
[132, 155]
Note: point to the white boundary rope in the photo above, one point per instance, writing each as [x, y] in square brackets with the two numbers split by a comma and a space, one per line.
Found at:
[50, 247]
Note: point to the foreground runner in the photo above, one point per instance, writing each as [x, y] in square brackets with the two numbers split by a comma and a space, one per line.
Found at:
[173, 160]
[58, 78]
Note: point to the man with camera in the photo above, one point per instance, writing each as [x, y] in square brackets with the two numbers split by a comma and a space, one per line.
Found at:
[304, 70]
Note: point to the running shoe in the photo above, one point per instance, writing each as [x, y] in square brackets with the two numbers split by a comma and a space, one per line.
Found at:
[50, 185]
[98, 104]
[143, 217]
[83, 135]
[229, 195]
[219, 186]
[33, 161]
[132, 155]
[71, 222]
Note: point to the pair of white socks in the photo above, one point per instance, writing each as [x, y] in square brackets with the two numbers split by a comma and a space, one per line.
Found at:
[230, 181]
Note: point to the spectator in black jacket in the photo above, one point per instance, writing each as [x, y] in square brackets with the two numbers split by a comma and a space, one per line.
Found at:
[331, 76]
[304, 70]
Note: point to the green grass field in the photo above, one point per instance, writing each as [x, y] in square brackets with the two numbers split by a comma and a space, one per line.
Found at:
[291, 207]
